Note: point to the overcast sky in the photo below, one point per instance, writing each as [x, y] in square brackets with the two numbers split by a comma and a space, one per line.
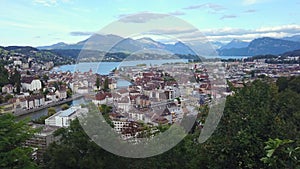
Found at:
[45, 22]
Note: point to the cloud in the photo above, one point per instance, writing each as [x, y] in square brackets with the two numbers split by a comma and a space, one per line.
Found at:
[177, 13]
[16, 24]
[227, 34]
[250, 2]
[78, 33]
[228, 17]
[50, 2]
[46, 2]
[211, 6]
[140, 17]
[174, 31]
[250, 11]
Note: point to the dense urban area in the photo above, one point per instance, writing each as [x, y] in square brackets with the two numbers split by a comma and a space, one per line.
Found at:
[259, 127]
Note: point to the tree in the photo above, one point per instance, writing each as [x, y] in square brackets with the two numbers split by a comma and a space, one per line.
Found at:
[281, 154]
[253, 115]
[248, 121]
[294, 84]
[97, 82]
[1, 109]
[13, 134]
[75, 148]
[3, 76]
[104, 108]
[51, 111]
[45, 77]
[282, 83]
[106, 85]
[69, 93]
[7, 97]
[65, 106]
[16, 80]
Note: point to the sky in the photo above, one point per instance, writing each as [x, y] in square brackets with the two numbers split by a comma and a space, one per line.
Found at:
[46, 22]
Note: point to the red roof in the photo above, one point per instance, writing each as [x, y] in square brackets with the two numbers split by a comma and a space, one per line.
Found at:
[102, 95]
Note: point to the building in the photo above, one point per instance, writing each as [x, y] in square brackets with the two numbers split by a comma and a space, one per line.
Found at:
[41, 140]
[61, 94]
[82, 90]
[120, 125]
[103, 98]
[51, 96]
[8, 88]
[7, 108]
[34, 101]
[124, 103]
[64, 117]
[31, 84]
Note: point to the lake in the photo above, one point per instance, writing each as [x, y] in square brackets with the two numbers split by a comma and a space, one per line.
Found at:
[104, 68]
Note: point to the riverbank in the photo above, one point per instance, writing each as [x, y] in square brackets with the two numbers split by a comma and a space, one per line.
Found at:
[26, 112]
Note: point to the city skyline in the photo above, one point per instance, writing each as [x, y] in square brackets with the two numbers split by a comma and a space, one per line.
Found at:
[45, 22]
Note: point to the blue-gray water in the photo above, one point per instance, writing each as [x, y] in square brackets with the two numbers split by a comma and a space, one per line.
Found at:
[105, 68]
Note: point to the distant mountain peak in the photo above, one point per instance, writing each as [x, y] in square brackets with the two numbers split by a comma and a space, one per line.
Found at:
[262, 46]
[295, 38]
[236, 40]
[235, 43]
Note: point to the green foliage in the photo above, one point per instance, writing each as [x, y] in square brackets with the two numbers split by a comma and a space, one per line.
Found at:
[74, 151]
[141, 65]
[282, 83]
[251, 117]
[51, 111]
[16, 80]
[105, 109]
[281, 154]
[254, 114]
[8, 96]
[69, 93]
[65, 106]
[106, 85]
[3, 75]
[45, 77]
[97, 82]
[13, 153]
[40, 120]
[163, 128]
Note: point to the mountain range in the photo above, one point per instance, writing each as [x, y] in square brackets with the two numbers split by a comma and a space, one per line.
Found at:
[262, 46]
[113, 43]
[235, 43]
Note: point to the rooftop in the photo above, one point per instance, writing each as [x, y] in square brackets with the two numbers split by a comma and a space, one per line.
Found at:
[68, 112]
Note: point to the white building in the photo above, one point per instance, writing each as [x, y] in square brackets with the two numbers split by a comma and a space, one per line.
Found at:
[61, 94]
[17, 62]
[51, 96]
[137, 115]
[120, 125]
[8, 88]
[82, 90]
[31, 84]
[124, 103]
[64, 117]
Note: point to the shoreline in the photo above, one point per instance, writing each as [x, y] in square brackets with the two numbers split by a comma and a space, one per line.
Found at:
[26, 112]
